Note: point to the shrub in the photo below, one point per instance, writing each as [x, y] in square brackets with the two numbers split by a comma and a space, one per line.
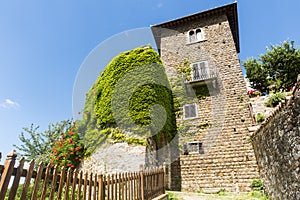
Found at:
[260, 118]
[68, 151]
[257, 185]
[275, 99]
[221, 192]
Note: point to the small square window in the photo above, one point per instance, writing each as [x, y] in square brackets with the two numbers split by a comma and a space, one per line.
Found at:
[190, 111]
[193, 148]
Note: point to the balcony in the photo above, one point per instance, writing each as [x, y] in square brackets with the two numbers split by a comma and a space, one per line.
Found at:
[203, 76]
[200, 76]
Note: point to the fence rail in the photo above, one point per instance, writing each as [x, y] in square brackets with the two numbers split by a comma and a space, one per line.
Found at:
[49, 182]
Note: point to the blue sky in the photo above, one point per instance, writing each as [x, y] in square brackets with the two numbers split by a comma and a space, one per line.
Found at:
[44, 43]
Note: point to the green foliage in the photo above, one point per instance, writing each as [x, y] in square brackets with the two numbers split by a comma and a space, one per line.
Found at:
[117, 135]
[93, 139]
[260, 118]
[241, 99]
[204, 125]
[38, 145]
[126, 95]
[172, 196]
[69, 150]
[276, 70]
[184, 69]
[30, 191]
[116, 70]
[259, 195]
[275, 99]
[221, 192]
[257, 185]
[257, 93]
[39, 193]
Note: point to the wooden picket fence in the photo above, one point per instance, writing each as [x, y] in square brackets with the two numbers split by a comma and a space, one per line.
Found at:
[47, 182]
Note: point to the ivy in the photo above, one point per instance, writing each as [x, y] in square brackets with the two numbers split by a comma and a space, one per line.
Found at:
[131, 94]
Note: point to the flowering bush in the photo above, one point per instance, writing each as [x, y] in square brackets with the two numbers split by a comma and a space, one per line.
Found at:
[253, 93]
[68, 151]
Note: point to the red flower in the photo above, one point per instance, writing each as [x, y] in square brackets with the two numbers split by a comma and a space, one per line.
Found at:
[78, 148]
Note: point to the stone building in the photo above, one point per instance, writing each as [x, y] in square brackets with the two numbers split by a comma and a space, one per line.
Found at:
[200, 55]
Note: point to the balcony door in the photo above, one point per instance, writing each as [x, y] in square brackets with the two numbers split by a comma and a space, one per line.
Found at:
[200, 71]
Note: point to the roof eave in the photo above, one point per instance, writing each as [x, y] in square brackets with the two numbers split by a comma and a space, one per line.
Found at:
[230, 10]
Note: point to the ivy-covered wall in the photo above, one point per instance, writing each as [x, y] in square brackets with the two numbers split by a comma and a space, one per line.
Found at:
[130, 101]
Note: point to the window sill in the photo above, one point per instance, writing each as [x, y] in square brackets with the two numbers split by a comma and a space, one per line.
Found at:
[190, 118]
[198, 41]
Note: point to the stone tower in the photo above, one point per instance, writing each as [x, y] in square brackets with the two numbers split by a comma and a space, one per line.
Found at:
[200, 55]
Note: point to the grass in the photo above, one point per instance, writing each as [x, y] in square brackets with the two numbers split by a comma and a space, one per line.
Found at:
[172, 196]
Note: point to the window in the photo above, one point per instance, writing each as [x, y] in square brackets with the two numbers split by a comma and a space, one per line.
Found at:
[200, 71]
[193, 148]
[190, 111]
[192, 37]
[195, 35]
[199, 35]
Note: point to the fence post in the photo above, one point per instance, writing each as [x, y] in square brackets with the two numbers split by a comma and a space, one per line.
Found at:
[142, 182]
[165, 178]
[100, 187]
[8, 170]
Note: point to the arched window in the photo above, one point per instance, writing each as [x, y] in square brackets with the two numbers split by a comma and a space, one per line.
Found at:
[199, 35]
[195, 35]
[192, 36]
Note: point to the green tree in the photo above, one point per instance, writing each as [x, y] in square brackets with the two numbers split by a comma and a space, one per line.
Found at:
[38, 145]
[277, 69]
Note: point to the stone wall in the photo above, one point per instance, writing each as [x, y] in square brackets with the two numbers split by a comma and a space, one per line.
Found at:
[115, 158]
[228, 161]
[277, 148]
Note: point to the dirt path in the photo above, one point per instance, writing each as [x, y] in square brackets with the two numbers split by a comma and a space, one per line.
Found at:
[201, 196]
[188, 196]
